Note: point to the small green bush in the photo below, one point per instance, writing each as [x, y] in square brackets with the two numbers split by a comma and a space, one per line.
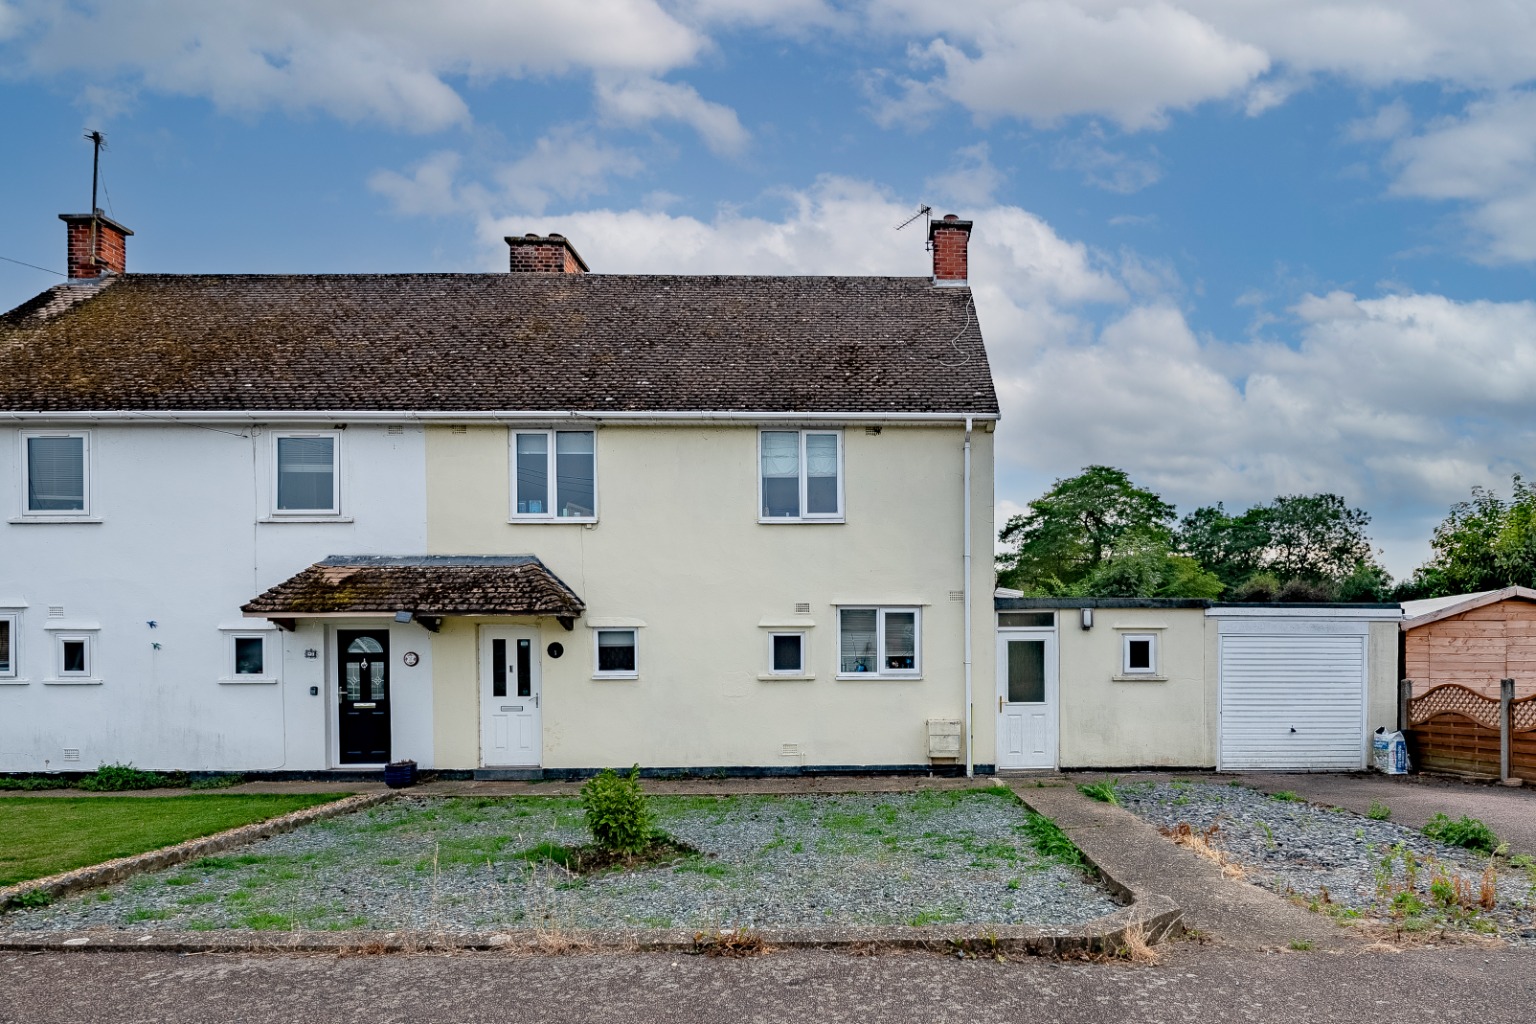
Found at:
[34, 782]
[115, 778]
[617, 813]
[1051, 842]
[1286, 796]
[1379, 811]
[1465, 831]
[1104, 792]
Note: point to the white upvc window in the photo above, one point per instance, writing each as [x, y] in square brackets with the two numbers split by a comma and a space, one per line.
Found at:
[247, 659]
[800, 476]
[10, 654]
[1140, 654]
[884, 643]
[616, 653]
[786, 654]
[75, 655]
[56, 473]
[306, 473]
[554, 475]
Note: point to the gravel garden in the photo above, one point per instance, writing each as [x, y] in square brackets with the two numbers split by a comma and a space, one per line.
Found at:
[1457, 879]
[476, 865]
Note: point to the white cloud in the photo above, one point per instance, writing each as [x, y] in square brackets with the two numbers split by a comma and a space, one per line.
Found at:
[970, 180]
[380, 60]
[431, 189]
[1389, 122]
[1110, 169]
[642, 100]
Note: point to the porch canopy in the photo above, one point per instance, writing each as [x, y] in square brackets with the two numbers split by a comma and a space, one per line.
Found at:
[423, 588]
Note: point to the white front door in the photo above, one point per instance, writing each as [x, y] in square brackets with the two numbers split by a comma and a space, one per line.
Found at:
[510, 729]
[1026, 698]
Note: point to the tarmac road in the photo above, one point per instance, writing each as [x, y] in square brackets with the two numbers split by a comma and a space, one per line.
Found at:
[1193, 985]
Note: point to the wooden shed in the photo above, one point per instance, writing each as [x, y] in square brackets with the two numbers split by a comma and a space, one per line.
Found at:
[1472, 640]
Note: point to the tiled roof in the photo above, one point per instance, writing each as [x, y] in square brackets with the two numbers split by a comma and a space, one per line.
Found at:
[496, 342]
[429, 585]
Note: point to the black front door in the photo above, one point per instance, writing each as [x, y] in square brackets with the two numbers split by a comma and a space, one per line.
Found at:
[363, 680]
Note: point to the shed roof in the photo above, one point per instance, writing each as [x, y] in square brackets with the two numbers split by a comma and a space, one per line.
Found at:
[427, 585]
[1433, 609]
[496, 343]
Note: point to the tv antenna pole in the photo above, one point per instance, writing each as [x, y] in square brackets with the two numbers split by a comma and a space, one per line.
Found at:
[97, 140]
[923, 210]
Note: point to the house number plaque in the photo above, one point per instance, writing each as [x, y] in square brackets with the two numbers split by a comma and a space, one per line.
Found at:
[411, 658]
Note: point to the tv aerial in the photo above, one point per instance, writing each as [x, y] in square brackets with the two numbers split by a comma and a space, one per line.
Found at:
[923, 210]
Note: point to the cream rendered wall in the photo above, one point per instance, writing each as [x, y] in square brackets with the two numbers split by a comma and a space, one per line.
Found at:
[678, 546]
[1108, 722]
[1381, 678]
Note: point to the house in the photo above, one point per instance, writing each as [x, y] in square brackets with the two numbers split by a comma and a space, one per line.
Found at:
[1175, 683]
[1473, 640]
[539, 522]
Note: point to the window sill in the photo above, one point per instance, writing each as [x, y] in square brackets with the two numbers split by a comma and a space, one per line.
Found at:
[801, 521]
[786, 677]
[72, 682]
[14, 681]
[40, 520]
[249, 681]
[878, 678]
[1139, 677]
[551, 521]
[317, 518]
[609, 676]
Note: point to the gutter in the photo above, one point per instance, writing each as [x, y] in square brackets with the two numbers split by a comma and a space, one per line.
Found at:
[500, 416]
[965, 587]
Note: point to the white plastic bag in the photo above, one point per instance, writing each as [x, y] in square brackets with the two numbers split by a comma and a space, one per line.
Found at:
[1391, 751]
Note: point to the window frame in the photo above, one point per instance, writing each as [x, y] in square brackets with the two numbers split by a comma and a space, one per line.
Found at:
[11, 673]
[231, 645]
[804, 667]
[84, 512]
[805, 516]
[88, 639]
[1125, 654]
[599, 673]
[881, 611]
[336, 462]
[550, 463]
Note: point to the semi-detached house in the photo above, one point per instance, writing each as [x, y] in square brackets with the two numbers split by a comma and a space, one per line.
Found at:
[547, 520]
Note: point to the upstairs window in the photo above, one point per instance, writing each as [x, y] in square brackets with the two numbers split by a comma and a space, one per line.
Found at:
[307, 477]
[800, 473]
[554, 474]
[57, 468]
[880, 642]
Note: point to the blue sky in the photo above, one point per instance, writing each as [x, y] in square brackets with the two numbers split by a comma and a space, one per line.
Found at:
[1237, 249]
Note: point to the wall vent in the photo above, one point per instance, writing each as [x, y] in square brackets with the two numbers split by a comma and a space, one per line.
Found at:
[872, 431]
[957, 595]
[55, 611]
[394, 430]
[789, 750]
[459, 428]
[802, 607]
[71, 753]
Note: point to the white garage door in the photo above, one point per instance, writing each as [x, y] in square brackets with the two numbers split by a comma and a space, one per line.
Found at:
[1293, 701]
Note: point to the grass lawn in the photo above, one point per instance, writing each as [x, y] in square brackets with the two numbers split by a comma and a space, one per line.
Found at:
[44, 835]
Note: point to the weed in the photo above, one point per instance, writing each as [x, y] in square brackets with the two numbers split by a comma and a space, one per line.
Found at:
[926, 917]
[1407, 904]
[617, 813]
[1269, 835]
[34, 782]
[730, 942]
[145, 914]
[115, 778]
[1014, 883]
[1466, 831]
[1203, 843]
[1104, 792]
[1135, 947]
[1488, 887]
[268, 922]
[1287, 796]
[1379, 811]
[32, 900]
[1051, 842]
[215, 781]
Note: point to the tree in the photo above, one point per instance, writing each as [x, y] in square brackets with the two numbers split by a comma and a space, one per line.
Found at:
[1485, 543]
[1152, 570]
[1078, 525]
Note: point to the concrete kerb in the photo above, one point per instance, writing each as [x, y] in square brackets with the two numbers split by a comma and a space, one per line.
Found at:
[96, 875]
[1154, 915]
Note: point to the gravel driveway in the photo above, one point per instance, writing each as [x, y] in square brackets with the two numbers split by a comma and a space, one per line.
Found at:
[1304, 850]
[454, 865]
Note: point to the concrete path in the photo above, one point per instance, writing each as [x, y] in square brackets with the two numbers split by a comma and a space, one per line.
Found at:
[1225, 910]
[1194, 985]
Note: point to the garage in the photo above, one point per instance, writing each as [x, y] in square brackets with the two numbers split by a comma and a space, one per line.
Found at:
[1293, 688]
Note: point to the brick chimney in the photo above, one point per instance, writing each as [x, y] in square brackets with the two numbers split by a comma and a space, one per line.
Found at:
[532, 254]
[97, 245]
[951, 240]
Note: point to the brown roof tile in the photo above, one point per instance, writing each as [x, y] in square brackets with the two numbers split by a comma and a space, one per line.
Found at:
[497, 342]
[429, 585]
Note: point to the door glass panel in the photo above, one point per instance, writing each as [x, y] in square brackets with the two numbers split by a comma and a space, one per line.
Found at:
[1037, 619]
[377, 669]
[365, 645]
[1026, 671]
[525, 667]
[498, 668]
[354, 681]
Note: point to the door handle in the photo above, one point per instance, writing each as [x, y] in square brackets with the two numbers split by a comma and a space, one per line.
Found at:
[999, 704]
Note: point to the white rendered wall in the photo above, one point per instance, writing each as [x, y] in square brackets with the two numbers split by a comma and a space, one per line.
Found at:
[181, 543]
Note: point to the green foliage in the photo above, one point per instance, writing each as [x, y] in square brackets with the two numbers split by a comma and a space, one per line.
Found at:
[1379, 811]
[1104, 792]
[1465, 831]
[32, 783]
[1051, 842]
[1076, 526]
[1301, 945]
[1485, 543]
[33, 900]
[617, 813]
[1286, 796]
[116, 778]
[1149, 568]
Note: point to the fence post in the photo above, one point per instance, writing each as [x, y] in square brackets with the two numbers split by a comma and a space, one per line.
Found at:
[1506, 725]
[1404, 694]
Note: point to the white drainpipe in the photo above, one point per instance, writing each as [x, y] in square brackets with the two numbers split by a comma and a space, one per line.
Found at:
[970, 756]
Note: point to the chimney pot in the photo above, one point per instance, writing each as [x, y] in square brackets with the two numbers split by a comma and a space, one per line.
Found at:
[532, 254]
[96, 245]
[950, 239]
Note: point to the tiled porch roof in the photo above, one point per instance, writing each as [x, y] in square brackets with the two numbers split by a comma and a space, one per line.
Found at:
[430, 586]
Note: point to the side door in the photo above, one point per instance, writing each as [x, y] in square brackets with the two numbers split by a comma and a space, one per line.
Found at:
[1027, 696]
[511, 722]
